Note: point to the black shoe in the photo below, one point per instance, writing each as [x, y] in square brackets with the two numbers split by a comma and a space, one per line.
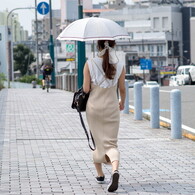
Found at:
[43, 87]
[113, 185]
[100, 179]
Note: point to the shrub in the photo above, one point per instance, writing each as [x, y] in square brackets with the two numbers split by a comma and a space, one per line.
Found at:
[29, 79]
[2, 79]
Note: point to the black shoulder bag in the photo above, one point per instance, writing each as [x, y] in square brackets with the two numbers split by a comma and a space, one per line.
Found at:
[79, 103]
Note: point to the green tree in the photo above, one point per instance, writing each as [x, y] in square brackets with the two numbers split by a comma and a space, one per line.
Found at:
[23, 57]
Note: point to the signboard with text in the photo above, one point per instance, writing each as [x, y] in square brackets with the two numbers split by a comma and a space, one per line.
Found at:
[70, 49]
[145, 64]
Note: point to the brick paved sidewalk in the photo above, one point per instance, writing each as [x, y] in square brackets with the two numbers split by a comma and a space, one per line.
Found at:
[43, 150]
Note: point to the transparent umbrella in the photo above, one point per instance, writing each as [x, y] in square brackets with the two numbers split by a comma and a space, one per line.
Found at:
[90, 29]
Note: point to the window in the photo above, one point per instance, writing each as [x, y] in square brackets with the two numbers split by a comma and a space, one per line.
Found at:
[151, 50]
[156, 23]
[159, 50]
[148, 47]
[160, 63]
[0, 37]
[140, 48]
[165, 22]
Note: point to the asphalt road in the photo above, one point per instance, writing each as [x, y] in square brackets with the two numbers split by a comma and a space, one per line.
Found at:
[187, 98]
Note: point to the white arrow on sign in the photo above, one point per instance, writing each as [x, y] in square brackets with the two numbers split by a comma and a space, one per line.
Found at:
[43, 7]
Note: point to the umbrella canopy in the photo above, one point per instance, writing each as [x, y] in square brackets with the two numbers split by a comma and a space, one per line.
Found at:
[93, 28]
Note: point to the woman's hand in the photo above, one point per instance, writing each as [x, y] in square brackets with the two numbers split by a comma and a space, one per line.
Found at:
[121, 106]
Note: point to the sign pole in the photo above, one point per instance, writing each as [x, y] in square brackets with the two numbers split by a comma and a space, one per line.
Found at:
[37, 47]
[81, 51]
[144, 76]
[51, 46]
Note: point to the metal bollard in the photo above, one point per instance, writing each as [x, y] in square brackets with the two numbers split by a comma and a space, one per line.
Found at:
[69, 82]
[57, 82]
[176, 131]
[138, 101]
[63, 81]
[154, 107]
[66, 83]
[60, 81]
[126, 109]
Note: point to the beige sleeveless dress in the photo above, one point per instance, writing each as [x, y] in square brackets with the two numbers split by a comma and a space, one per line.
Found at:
[103, 113]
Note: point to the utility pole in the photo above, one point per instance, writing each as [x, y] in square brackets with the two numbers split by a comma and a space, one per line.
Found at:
[51, 46]
[81, 50]
[172, 47]
[37, 36]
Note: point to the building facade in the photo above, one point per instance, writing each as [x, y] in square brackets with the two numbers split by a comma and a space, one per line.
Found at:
[156, 33]
[116, 4]
[43, 30]
[17, 31]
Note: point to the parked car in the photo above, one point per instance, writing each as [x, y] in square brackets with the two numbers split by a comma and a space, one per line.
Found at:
[182, 75]
[192, 76]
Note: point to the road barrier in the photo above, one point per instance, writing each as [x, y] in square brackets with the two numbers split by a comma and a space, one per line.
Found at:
[176, 130]
[154, 107]
[138, 101]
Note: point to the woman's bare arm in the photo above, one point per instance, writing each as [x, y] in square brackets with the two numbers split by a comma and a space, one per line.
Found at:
[86, 79]
[122, 89]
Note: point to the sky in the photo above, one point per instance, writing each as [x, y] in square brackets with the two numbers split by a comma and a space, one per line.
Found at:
[25, 16]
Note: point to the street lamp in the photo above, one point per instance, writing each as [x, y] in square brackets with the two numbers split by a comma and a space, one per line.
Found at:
[9, 55]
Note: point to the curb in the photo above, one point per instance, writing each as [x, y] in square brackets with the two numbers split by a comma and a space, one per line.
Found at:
[187, 132]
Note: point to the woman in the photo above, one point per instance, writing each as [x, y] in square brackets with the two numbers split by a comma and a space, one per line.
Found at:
[102, 76]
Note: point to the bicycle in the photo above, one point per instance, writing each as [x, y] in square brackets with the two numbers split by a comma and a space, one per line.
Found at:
[47, 82]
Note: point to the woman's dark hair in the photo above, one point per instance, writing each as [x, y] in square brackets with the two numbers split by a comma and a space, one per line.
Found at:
[108, 68]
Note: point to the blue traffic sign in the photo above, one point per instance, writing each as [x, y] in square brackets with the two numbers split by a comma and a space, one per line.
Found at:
[145, 64]
[43, 8]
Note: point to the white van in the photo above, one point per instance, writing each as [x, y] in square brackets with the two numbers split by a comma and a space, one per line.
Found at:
[182, 75]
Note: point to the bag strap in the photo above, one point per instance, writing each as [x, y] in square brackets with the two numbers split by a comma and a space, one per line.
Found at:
[83, 124]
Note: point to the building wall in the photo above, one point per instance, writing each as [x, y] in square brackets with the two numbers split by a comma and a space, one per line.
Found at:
[116, 4]
[3, 52]
[3, 16]
[192, 39]
[40, 29]
[46, 28]
[87, 4]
